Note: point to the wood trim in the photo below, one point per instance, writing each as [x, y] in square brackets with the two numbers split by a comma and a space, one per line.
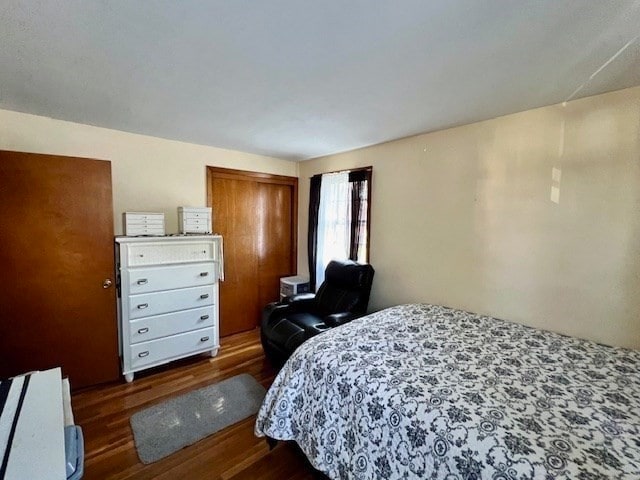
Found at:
[346, 170]
[261, 177]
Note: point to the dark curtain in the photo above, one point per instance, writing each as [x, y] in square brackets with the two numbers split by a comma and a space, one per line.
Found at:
[312, 240]
[359, 185]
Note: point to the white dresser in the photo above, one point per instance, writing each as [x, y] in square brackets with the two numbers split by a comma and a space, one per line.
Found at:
[167, 298]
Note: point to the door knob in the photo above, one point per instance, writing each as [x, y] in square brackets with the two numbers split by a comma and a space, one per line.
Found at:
[107, 283]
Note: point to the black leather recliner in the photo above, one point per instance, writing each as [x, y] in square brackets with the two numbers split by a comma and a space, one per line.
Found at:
[342, 297]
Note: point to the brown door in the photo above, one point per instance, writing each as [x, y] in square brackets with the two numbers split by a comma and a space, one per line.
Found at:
[257, 216]
[57, 257]
[275, 240]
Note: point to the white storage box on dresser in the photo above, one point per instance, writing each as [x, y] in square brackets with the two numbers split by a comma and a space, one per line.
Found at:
[194, 220]
[143, 223]
[167, 298]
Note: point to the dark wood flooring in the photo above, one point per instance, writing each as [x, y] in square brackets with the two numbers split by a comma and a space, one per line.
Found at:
[231, 454]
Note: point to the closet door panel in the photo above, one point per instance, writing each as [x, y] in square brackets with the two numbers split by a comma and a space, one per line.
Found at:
[275, 240]
[235, 219]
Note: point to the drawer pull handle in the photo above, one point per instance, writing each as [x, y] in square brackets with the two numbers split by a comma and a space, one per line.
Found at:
[142, 281]
[204, 339]
[204, 274]
[143, 354]
[204, 317]
[204, 295]
[142, 306]
[143, 330]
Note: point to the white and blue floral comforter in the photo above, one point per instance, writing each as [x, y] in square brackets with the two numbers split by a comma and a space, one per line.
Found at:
[422, 391]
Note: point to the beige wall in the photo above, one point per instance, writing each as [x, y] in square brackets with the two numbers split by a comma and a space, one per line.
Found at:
[463, 217]
[149, 173]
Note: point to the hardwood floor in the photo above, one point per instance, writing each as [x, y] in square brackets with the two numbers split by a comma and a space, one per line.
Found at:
[231, 454]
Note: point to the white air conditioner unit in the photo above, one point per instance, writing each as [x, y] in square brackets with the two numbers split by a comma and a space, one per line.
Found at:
[293, 286]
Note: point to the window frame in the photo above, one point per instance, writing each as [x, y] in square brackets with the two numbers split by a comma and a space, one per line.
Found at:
[369, 170]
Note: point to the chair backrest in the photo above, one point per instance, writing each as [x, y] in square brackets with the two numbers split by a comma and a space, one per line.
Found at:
[346, 288]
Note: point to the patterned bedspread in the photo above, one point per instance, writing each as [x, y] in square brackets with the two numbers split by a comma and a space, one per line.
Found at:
[422, 391]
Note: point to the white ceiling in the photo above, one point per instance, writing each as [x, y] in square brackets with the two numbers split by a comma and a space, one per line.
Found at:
[300, 79]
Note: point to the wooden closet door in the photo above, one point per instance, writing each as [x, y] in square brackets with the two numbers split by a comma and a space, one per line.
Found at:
[234, 217]
[256, 215]
[275, 241]
[56, 235]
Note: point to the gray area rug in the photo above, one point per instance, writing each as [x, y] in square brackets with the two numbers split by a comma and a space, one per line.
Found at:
[165, 428]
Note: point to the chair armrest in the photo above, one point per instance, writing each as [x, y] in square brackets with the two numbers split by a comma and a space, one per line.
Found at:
[271, 307]
[292, 304]
[337, 319]
[302, 301]
[273, 311]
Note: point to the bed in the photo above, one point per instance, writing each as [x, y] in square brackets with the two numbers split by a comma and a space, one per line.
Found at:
[424, 391]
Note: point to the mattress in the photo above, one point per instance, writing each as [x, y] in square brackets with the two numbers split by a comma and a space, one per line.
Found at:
[424, 391]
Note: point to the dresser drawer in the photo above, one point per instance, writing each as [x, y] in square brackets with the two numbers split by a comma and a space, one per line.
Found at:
[158, 326]
[197, 221]
[153, 279]
[134, 230]
[204, 213]
[160, 253]
[167, 348]
[198, 228]
[148, 304]
[145, 219]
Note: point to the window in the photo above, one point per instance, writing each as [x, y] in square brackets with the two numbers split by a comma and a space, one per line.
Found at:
[339, 208]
